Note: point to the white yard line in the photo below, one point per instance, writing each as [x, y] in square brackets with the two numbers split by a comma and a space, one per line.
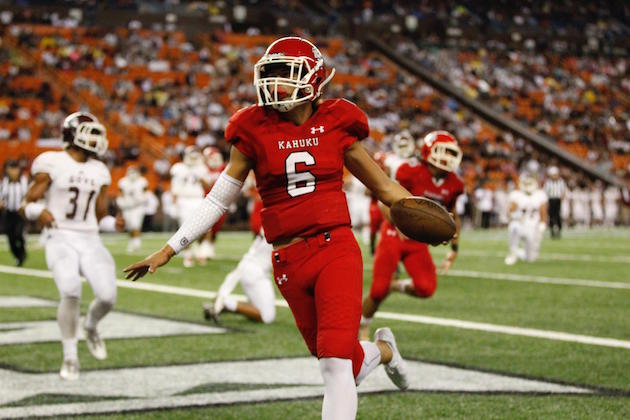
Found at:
[539, 279]
[556, 256]
[505, 329]
[421, 319]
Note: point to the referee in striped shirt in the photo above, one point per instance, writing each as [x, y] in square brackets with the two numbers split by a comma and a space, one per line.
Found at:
[12, 191]
[555, 189]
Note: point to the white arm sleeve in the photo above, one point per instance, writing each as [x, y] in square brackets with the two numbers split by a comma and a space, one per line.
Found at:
[224, 192]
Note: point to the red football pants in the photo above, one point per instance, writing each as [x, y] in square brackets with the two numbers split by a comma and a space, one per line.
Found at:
[321, 278]
[376, 217]
[415, 257]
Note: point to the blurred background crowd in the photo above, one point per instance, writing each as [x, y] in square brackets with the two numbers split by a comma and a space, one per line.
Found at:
[172, 75]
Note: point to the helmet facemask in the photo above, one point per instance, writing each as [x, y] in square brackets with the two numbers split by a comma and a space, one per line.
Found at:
[296, 74]
[445, 156]
[90, 136]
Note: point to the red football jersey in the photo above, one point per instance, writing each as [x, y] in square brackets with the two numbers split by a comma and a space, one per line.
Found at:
[299, 169]
[418, 180]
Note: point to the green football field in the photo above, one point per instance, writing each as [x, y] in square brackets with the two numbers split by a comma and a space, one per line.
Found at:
[549, 339]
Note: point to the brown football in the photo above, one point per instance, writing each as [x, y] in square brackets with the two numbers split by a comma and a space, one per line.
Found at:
[423, 220]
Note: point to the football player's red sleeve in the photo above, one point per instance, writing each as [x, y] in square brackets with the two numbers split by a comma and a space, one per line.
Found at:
[458, 190]
[404, 176]
[355, 123]
[237, 135]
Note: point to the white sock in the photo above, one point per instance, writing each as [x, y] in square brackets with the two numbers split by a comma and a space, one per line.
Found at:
[365, 321]
[70, 348]
[371, 360]
[137, 242]
[230, 303]
[365, 235]
[68, 320]
[98, 309]
[340, 391]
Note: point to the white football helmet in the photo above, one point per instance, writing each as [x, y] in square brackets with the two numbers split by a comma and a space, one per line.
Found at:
[192, 157]
[83, 130]
[132, 173]
[404, 145]
[213, 157]
[527, 183]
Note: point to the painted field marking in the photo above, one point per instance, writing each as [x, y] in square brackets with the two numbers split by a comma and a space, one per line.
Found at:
[446, 322]
[525, 278]
[555, 256]
[159, 387]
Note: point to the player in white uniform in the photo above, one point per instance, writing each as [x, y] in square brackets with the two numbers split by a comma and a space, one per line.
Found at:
[611, 205]
[131, 202]
[528, 214]
[188, 180]
[71, 185]
[254, 273]
[596, 199]
[581, 206]
[404, 150]
[359, 207]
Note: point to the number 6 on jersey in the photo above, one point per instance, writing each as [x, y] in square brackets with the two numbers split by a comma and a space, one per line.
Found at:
[294, 178]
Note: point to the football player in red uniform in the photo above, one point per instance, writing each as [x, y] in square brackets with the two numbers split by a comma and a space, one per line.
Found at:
[434, 177]
[297, 145]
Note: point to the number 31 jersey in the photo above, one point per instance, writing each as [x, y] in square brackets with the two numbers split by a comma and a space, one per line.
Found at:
[74, 187]
[299, 169]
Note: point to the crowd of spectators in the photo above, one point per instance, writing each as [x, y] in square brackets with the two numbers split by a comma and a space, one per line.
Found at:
[582, 102]
[158, 90]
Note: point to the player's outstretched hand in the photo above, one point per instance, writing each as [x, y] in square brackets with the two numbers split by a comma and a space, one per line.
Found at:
[447, 263]
[149, 264]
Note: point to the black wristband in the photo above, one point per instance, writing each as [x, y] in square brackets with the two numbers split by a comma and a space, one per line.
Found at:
[454, 247]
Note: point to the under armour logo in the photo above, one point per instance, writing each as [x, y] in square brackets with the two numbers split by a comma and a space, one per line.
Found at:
[282, 279]
[319, 129]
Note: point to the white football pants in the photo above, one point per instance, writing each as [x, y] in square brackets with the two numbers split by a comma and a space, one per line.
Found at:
[254, 274]
[529, 234]
[70, 254]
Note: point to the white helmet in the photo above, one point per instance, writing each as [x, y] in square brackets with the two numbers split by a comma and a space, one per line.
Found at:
[83, 130]
[527, 183]
[192, 157]
[404, 145]
[132, 173]
[213, 157]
